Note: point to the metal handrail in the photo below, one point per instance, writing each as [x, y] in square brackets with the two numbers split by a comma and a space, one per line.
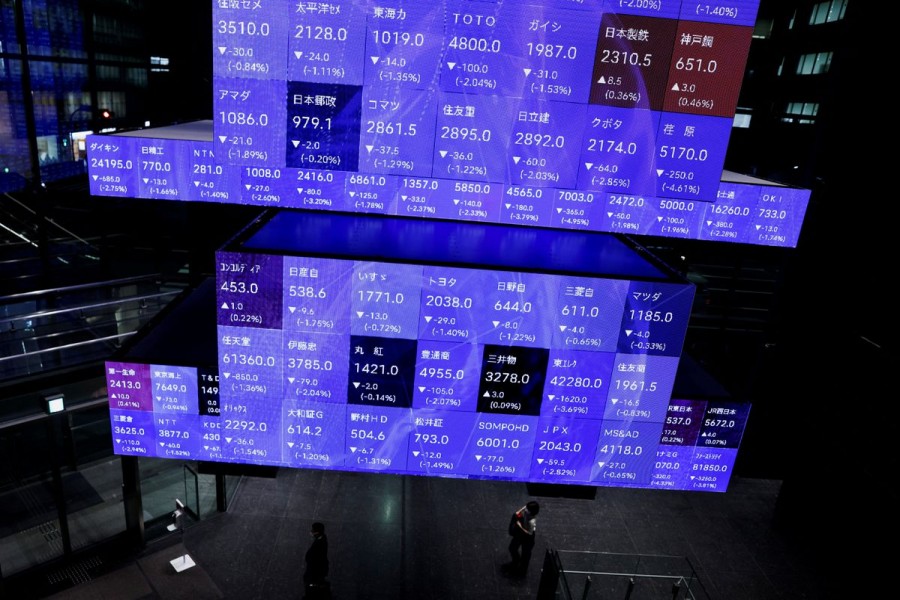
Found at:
[68, 346]
[79, 287]
[62, 311]
[49, 220]
[43, 416]
[687, 577]
[45, 338]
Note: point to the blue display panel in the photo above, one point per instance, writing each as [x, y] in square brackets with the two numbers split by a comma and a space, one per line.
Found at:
[169, 412]
[15, 165]
[421, 369]
[557, 375]
[54, 28]
[8, 35]
[498, 91]
[747, 213]
[507, 112]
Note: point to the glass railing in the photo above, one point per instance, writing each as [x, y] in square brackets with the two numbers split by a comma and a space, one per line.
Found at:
[90, 479]
[36, 248]
[577, 575]
[64, 327]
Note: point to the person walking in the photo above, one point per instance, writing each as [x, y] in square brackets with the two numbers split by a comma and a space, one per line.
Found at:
[315, 582]
[522, 528]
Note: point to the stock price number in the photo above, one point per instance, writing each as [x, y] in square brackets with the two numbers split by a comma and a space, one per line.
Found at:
[697, 65]
[510, 306]
[244, 425]
[431, 438]
[239, 287]
[772, 213]
[541, 140]
[367, 434]
[314, 123]
[388, 128]
[381, 297]
[441, 373]
[313, 430]
[243, 118]
[321, 33]
[621, 449]
[305, 291]
[309, 364]
[468, 134]
[125, 384]
[497, 442]
[111, 163]
[171, 387]
[552, 446]
[507, 377]
[398, 38]
[255, 360]
[543, 50]
[448, 301]
[250, 28]
[612, 146]
[118, 429]
[376, 369]
[633, 385]
[683, 153]
[623, 57]
[574, 381]
[577, 310]
[474, 44]
[654, 316]
[709, 467]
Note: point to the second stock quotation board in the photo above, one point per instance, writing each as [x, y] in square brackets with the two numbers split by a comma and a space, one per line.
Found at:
[599, 115]
[439, 369]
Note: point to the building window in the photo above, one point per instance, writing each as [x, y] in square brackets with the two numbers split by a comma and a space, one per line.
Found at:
[803, 113]
[828, 12]
[109, 73]
[763, 29]
[159, 64]
[814, 64]
[112, 101]
[137, 77]
[741, 120]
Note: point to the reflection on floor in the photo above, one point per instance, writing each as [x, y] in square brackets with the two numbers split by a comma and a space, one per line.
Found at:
[420, 538]
[29, 526]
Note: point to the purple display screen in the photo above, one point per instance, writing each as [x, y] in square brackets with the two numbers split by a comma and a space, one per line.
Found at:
[165, 411]
[503, 92]
[545, 113]
[405, 368]
[450, 371]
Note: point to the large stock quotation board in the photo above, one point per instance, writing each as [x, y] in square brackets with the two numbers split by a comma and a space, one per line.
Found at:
[597, 115]
[437, 357]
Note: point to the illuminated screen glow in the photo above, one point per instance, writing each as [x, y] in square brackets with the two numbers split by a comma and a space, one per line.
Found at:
[436, 368]
[599, 115]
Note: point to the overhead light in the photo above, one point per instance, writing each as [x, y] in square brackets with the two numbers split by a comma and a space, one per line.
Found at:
[54, 404]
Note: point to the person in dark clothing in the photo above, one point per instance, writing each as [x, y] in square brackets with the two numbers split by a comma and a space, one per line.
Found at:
[522, 542]
[315, 577]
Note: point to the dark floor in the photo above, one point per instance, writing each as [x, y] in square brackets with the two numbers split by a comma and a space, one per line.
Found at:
[421, 538]
[394, 537]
